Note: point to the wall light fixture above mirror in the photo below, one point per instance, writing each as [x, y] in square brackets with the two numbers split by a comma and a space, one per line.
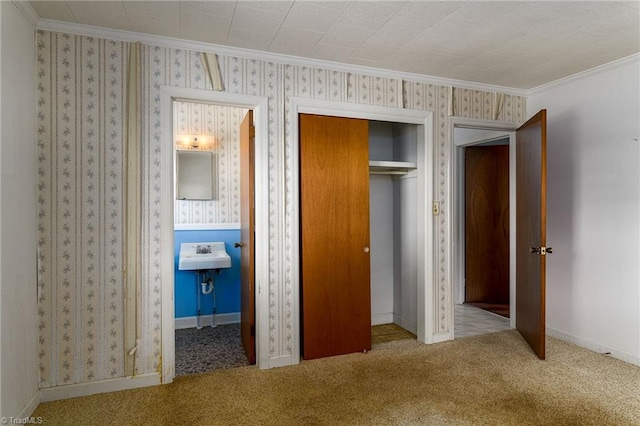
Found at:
[194, 142]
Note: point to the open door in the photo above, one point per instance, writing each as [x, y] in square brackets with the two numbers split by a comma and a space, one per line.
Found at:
[531, 230]
[247, 237]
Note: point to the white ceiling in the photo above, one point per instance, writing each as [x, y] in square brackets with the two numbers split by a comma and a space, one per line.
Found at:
[518, 44]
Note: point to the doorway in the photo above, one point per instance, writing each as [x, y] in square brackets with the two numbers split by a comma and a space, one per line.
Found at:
[486, 210]
[470, 320]
[209, 156]
[258, 105]
[423, 250]
[358, 207]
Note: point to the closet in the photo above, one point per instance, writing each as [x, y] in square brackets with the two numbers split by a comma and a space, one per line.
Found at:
[357, 231]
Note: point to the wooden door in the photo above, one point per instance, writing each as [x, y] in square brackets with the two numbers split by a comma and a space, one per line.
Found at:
[487, 224]
[531, 192]
[247, 237]
[334, 222]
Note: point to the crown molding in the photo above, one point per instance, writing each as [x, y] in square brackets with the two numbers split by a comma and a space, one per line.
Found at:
[584, 74]
[176, 43]
[28, 11]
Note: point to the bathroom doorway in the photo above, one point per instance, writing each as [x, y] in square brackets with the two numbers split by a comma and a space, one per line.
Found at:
[202, 311]
[209, 209]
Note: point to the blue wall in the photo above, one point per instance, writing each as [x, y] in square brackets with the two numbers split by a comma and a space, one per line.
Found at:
[227, 283]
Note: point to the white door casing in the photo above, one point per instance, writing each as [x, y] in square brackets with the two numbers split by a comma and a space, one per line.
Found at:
[492, 128]
[259, 106]
[425, 300]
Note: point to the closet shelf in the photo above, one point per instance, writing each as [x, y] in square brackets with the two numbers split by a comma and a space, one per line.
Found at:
[391, 167]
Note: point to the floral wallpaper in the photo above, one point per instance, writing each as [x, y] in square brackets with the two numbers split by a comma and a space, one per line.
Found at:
[80, 204]
[80, 127]
[221, 127]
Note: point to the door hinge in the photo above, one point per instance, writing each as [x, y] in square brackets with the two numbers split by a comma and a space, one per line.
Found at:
[436, 208]
[542, 251]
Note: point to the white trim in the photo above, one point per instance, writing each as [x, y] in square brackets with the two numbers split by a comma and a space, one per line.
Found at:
[456, 234]
[206, 226]
[28, 11]
[593, 346]
[259, 105]
[512, 229]
[352, 110]
[281, 361]
[101, 386]
[221, 319]
[443, 337]
[458, 286]
[405, 323]
[30, 406]
[176, 43]
[426, 261]
[584, 74]
[488, 136]
[383, 318]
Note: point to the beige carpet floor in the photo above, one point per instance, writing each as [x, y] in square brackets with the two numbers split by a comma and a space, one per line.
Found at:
[491, 379]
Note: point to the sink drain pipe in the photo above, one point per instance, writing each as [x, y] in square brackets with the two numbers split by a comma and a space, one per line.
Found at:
[206, 286]
[198, 319]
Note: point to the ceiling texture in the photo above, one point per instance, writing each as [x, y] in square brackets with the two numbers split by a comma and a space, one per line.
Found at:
[516, 44]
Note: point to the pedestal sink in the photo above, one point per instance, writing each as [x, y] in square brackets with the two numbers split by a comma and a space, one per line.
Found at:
[200, 256]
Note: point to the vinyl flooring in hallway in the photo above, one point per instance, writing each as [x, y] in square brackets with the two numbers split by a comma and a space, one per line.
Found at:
[471, 321]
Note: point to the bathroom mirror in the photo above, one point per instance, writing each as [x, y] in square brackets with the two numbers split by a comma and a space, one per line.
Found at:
[195, 175]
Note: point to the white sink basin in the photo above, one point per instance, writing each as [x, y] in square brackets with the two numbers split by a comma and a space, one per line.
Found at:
[196, 256]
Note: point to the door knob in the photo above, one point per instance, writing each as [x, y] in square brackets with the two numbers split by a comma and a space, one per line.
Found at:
[366, 249]
[541, 250]
[238, 245]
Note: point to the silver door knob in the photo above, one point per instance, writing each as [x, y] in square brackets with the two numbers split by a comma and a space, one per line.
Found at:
[366, 249]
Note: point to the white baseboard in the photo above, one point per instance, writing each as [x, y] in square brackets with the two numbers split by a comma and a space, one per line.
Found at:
[405, 323]
[31, 406]
[282, 361]
[593, 346]
[384, 318]
[190, 322]
[100, 386]
[442, 337]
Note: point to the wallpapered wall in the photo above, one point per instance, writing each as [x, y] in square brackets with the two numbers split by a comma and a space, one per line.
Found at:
[221, 126]
[80, 203]
[80, 128]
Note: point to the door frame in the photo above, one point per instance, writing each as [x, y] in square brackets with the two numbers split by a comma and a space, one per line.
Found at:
[426, 263]
[457, 207]
[259, 105]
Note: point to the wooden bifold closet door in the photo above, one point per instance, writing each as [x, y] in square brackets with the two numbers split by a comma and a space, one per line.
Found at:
[334, 233]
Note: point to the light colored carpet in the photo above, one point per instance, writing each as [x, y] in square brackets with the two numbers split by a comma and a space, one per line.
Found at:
[492, 379]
